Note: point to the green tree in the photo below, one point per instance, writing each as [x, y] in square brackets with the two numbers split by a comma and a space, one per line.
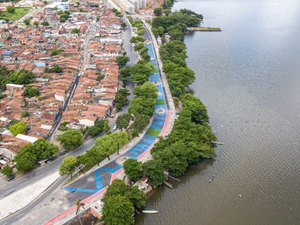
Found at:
[147, 90]
[7, 171]
[123, 25]
[18, 128]
[71, 139]
[25, 159]
[31, 92]
[141, 105]
[79, 204]
[104, 147]
[45, 23]
[137, 39]
[124, 74]
[159, 31]
[138, 46]
[75, 31]
[118, 210]
[10, 9]
[106, 127]
[141, 71]
[122, 60]
[118, 187]
[42, 149]
[157, 11]
[94, 131]
[36, 23]
[54, 69]
[27, 22]
[154, 170]
[25, 114]
[123, 121]
[195, 106]
[133, 169]
[176, 166]
[17, 77]
[140, 122]
[121, 98]
[68, 166]
[56, 51]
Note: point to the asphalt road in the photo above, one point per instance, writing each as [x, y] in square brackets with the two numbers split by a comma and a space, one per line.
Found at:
[52, 166]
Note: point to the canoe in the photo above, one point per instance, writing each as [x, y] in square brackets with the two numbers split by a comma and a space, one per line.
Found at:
[150, 211]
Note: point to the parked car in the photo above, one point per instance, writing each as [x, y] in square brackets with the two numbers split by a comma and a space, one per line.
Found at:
[10, 178]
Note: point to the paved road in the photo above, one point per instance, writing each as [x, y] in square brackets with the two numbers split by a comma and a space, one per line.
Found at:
[51, 167]
[101, 177]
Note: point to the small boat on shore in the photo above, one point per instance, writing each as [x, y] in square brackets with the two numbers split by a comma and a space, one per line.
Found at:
[150, 211]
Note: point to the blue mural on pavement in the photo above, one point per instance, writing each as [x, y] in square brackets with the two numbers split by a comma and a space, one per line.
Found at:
[100, 177]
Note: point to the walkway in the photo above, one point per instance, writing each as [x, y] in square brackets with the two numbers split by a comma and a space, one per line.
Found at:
[94, 184]
[101, 177]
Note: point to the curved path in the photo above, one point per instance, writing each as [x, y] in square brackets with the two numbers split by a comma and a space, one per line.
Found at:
[94, 184]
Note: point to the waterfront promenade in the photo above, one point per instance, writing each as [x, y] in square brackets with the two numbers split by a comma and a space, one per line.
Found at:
[92, 186]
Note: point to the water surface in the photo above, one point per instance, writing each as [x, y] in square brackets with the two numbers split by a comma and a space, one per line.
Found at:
[249, 77]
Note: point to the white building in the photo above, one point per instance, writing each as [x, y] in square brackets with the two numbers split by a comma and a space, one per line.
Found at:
[131, 6]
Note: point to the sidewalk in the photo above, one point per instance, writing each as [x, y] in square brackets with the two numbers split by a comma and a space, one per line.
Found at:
[25, 196]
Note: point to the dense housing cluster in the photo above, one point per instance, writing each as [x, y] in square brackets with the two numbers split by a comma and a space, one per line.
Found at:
[57, 65]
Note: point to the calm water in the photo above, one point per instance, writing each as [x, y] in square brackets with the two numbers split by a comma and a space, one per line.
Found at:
[249, 78]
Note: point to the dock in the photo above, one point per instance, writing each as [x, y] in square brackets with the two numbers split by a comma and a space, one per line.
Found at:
[204, 29]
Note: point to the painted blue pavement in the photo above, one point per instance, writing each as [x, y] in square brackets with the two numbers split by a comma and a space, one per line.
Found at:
[101, 177]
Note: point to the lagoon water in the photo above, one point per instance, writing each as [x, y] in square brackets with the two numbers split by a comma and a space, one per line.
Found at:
[249, 78]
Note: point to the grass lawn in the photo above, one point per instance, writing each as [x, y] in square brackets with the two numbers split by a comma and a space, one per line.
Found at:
[160, 102]
[153, 132]
[19, 12]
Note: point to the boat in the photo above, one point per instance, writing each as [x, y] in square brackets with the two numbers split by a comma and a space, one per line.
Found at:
[150, 211]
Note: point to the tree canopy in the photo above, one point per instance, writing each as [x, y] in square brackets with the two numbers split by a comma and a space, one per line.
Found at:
[118, 187]
[30, 154]
[68, 165]
[146, 90]
[122, 60]
[104, 147]
[18, 128]
[133, 169]
[123, 121]
[7, 171]
[121, 98]
[31, 92]
[154, 170]
[25, 159]
[71, 139]
[14, 77]
[97, 128]
[117, 210]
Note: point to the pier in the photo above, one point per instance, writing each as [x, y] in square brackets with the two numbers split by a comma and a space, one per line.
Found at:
[204, 29]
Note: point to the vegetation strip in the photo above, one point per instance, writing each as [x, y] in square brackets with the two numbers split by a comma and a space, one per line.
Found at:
[191, 138]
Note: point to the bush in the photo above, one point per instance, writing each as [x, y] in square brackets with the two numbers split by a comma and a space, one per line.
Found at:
[75, 31]
[25, 114]
[7, 171]
[45, 23]
[31, 92]
[18, 128]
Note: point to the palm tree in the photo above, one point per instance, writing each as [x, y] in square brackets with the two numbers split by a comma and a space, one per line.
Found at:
[79, 204]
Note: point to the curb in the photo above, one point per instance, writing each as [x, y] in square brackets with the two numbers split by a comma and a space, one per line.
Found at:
[33, 201]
